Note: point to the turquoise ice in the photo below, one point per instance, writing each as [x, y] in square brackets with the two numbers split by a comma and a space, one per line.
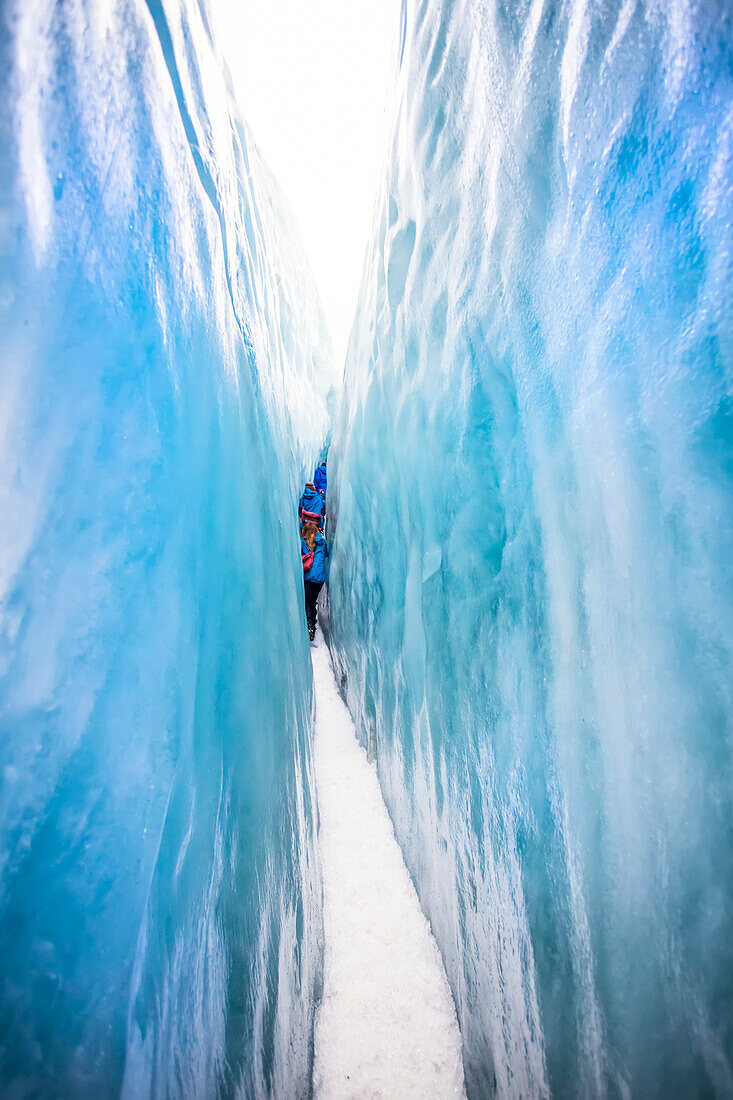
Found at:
[531, 491]
[530, 510]
[164, 379]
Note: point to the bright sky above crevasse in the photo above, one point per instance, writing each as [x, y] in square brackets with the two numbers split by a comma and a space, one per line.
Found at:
[313, 81]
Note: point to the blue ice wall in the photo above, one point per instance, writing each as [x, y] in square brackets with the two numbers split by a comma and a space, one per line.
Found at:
[531, 491]
[163, 382]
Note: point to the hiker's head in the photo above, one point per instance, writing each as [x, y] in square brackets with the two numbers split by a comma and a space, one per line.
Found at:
[308, 532]
[309, 485]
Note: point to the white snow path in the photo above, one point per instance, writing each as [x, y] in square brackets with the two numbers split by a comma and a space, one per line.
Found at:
[387, 1025]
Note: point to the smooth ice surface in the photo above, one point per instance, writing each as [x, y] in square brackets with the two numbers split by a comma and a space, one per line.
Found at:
[387, 1024]
[531, 483]
[164, 377]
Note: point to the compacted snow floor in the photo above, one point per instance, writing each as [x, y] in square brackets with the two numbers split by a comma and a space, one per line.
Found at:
[387, 1025]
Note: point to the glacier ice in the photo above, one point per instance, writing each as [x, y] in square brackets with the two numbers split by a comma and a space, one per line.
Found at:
[531, 598]
[164, 385]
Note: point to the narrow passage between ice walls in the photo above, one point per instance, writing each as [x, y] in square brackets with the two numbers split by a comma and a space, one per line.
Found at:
[387, 1024]
[530, 610]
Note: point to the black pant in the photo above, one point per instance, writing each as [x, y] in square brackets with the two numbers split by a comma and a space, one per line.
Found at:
[312, 588]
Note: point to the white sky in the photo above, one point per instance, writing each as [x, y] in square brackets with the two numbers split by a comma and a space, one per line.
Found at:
[313, 78]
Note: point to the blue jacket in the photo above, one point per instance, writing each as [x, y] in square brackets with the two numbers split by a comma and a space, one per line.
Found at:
[319, 478]
[312, 506]
[317, 572]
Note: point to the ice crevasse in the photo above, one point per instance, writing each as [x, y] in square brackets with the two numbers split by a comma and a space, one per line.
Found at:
[164, 385]
[530, 606]
[531, 598]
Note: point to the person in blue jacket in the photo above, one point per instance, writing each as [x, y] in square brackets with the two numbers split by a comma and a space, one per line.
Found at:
[312, 505]
[313, 553]
[319, 478]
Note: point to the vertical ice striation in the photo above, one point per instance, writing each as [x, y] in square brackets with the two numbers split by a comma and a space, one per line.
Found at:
[532, 606]
[163, 384]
